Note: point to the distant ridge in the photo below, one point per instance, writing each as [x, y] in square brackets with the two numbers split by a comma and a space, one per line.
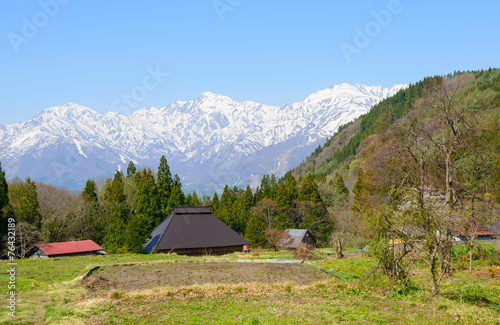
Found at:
[209, 141]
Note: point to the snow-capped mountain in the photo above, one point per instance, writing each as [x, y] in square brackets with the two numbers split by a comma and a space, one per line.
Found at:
[209, 141]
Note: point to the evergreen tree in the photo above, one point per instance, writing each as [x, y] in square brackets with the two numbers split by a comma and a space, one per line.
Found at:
[137, 231]
[147, 203]
[177, 181]
[4, 194]
[131, 170]
[94, 220]
[254, 231]
[258, 195]
[274, 186]
[240, 210]
[115, 231]
[314, 216]
[225, 206]
[188, 200]
[177, 198]
[164, 184]
[340, 185]
[215, 203]
[268, 187]
[114, 191]
[89, 192]
[309, 191]
[282, 197]
[291, 186]
[249, 198]
[195, 201]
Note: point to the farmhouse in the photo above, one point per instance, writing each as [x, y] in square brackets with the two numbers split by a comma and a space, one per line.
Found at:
[300, 236]
[473, 230]
[70, 248]
[194, 231]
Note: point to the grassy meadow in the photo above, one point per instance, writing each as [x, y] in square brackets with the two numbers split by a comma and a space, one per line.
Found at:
[50, 291]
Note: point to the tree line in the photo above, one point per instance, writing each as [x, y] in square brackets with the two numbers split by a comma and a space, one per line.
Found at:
[120, 212]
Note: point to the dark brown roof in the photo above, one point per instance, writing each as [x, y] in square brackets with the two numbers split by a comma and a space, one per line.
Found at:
[192, 210]
[192, 227]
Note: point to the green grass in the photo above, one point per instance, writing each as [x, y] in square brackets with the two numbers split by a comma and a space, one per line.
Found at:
[325, 303]
[48, 295]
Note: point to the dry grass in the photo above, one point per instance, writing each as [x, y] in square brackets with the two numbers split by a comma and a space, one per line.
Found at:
[304, 252]
[494, 271]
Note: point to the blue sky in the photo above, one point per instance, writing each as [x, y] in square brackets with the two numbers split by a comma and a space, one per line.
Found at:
[94, 53]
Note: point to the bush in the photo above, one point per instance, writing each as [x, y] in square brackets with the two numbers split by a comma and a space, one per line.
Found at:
[116, 295]
[493, 259]
[123, 250]
[479, 251]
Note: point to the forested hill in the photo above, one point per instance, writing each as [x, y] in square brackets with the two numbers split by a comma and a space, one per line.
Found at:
[340, 152]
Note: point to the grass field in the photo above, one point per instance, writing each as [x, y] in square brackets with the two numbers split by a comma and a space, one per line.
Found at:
[189, 290]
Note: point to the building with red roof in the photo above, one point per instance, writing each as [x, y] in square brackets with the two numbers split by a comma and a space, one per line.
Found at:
[69, 248]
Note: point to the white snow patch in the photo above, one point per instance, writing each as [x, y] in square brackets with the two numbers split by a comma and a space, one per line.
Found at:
[79, 147]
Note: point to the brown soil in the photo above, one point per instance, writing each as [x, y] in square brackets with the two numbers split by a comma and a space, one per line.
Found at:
[128, 278]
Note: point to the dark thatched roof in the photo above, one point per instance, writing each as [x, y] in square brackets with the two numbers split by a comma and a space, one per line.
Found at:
[192, 227]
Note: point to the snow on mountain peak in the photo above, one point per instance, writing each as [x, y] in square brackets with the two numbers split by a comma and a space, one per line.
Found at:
[212, 139]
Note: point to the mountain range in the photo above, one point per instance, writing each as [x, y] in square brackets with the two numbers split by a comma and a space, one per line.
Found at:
[209, 141]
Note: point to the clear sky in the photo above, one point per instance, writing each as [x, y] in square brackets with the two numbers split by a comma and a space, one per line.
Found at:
[125, 55]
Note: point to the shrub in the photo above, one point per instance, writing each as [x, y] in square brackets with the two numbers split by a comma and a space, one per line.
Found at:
[479, 251]
[116, 295]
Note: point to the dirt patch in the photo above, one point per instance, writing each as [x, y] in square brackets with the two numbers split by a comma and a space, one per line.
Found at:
[128, 278]
[95, 282]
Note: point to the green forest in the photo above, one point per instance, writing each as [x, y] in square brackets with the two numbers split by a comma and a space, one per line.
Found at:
[121, 213]
[420, 167]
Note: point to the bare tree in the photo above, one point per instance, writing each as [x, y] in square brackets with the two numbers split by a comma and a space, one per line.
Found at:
[276, 237]
[267, 210]
[26, 236]
[57, 208]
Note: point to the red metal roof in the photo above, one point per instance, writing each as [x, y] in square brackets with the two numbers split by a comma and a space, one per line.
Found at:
[69, 247]
[472, 228]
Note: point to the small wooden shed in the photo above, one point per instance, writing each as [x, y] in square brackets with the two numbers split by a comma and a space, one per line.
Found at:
[300, 236]
[69, 248]
[194, 231]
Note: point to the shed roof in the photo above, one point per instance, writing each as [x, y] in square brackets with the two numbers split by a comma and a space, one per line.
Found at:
[69, 247]
[297, 235]
[472, 228]
[192, 227]
[494, 227]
